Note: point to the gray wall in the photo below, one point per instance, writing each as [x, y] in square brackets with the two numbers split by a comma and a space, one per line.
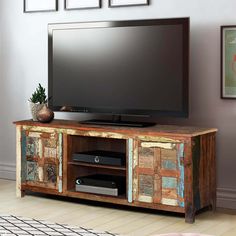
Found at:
[23, 64]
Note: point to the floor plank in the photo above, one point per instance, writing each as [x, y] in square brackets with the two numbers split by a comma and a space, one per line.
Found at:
[125, 221]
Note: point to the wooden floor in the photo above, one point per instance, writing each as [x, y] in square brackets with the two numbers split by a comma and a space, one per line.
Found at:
[110, 217]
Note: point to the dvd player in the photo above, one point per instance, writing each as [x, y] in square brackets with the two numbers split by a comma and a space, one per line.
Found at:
[100, 157]
[101, 184]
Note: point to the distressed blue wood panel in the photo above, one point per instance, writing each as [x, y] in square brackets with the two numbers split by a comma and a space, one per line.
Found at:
[23, 158]
[168, 165]
[169, 182]
[31, 171]
[180, 189]
[130, 176]
[32, 146]
[146, 185]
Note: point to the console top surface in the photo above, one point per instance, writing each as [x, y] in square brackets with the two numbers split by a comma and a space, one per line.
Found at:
[188, 131]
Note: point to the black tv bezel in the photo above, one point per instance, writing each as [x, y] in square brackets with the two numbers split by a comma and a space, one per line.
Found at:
[185, 22]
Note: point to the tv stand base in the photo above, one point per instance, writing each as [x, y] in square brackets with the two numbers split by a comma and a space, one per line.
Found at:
[169, 168]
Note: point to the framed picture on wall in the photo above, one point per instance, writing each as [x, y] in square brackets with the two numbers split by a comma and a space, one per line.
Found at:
[82, 4]
[228, 61]
[125, 3]
[40, 5]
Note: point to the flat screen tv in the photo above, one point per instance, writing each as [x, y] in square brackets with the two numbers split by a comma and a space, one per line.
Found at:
[138, 67]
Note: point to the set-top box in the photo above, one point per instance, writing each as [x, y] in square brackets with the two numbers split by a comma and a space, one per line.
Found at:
[101, 184]
[100, 157]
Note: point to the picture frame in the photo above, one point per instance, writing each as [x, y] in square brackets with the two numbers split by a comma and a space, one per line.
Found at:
[30, 6]
[82, 4]
[126, 3]
[228, 62]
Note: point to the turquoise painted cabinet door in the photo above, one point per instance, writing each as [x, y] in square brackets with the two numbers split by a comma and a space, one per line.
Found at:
[42, 159]
[159, 173]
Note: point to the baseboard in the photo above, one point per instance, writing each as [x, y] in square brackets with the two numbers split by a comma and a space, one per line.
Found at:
[226, 198]
[7, 171]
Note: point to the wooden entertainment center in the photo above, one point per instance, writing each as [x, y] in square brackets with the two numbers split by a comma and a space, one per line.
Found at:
[170, 168]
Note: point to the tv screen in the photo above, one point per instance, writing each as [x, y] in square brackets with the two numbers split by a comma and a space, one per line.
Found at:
[121, 67]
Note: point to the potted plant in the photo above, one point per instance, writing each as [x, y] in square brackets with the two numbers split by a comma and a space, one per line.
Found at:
[37, 101]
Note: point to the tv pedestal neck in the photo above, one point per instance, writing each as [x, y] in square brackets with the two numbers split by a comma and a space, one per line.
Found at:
[170, 168]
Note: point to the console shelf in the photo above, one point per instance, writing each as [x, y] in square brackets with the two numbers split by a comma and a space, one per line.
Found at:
[122, 168]
[170, 168]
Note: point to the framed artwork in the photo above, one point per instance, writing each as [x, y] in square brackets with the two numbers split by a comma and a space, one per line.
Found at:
[40, 5]
[82, 4]
[125, 3]
[228, 61]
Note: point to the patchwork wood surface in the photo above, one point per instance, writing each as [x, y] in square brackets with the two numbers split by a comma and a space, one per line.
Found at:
[41, 159]
[159, 173]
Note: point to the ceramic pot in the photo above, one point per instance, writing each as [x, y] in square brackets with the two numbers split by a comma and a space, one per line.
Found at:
[45, 115]
[34, 108]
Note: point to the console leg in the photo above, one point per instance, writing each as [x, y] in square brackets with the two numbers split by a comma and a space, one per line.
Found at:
[20, 193]
[190, 215]
[213, 205]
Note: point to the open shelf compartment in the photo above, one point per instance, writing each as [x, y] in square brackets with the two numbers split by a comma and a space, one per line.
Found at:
[77, 169]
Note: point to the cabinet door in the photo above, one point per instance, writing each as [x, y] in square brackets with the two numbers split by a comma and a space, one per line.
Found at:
[42, 159]
[159, 173]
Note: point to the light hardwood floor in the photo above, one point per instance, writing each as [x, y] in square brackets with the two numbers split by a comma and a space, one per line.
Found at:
[111, 218]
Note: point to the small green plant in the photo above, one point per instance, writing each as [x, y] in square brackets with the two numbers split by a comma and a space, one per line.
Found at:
[39, 95]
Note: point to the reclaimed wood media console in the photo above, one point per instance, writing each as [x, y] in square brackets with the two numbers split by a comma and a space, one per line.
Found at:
[168, 168]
